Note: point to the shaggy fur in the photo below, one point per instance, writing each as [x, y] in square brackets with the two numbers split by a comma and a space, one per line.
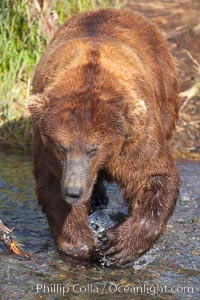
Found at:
[104, 104]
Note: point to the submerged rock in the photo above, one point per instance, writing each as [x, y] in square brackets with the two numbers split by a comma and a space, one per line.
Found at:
[102, 219]
[106, 218]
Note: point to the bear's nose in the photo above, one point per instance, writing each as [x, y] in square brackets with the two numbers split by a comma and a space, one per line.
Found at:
[73, 192]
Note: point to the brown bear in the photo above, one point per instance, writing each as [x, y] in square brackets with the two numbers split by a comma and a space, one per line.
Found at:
[104, 105]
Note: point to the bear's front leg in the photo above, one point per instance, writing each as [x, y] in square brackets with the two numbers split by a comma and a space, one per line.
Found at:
[68, 224]
[73, 235]
[151, 202]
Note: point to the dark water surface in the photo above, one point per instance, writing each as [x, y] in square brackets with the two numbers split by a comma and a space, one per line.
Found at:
[169, 271]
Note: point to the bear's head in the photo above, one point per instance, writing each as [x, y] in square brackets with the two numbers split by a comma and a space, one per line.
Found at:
[81, 134]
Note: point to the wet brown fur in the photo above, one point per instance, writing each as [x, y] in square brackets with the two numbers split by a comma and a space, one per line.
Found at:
[107, 78]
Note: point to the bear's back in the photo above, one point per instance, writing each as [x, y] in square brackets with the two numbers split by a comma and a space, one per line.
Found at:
[124, 32]
[125, 26]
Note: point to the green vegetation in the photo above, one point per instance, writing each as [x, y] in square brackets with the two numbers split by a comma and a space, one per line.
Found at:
[25, 29]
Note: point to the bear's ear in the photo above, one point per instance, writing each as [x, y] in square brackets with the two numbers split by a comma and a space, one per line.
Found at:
[36, 105]
[138, 110]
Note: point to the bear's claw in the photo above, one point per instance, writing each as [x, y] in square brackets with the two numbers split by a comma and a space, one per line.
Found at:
[120, 248]
[76, 251]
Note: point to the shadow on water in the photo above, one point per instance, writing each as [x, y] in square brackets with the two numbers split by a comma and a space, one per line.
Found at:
[169, 271]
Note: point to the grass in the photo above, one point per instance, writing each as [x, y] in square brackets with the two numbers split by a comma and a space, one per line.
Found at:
[21, 43]
[25, 29]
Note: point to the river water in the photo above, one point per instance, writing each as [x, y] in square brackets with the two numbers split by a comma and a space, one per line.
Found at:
[169, 271]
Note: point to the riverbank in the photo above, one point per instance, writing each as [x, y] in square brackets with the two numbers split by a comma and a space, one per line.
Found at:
[179, 23]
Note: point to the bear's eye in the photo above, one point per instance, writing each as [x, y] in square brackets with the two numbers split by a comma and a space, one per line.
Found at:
[63, 148]
[92, 151]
